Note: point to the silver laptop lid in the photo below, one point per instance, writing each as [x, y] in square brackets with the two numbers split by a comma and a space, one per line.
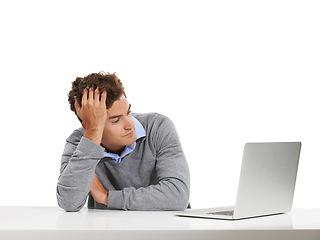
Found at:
[267, 179]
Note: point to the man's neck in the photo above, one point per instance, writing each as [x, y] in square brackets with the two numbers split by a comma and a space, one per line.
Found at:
[113, 150]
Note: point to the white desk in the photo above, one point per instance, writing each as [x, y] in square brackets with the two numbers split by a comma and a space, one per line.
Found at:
[54, 223]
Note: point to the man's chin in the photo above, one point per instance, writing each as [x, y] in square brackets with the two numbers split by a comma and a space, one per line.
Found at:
[131, 140]
[134, 138]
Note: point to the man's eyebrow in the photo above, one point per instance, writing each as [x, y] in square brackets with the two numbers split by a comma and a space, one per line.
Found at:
[117, 116]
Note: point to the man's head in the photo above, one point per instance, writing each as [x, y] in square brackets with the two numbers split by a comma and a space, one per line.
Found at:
[103, 81]
[119, 130]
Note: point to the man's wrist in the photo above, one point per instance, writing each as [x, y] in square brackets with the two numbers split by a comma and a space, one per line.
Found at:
[93, 135]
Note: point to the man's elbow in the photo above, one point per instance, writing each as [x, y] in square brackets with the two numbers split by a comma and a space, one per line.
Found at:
[68, 204]
[69, 207]
[181, 200]
[183, 203]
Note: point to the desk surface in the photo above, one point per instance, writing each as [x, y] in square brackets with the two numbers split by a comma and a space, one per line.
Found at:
[55, 222]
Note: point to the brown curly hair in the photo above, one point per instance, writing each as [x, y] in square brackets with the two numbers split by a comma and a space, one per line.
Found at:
[102, 81]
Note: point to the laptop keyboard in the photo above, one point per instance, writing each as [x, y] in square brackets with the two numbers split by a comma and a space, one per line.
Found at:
[228, 213]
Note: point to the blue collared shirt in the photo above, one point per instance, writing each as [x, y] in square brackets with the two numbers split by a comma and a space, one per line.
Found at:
[140, 132]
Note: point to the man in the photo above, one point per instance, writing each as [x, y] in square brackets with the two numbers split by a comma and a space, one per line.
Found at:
[119, 159]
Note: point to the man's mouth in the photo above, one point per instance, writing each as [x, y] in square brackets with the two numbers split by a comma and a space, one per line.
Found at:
[129, 134]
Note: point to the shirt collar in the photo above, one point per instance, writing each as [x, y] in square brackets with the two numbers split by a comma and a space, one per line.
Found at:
[140, 132]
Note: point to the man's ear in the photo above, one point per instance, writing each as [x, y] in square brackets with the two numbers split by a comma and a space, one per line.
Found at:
[83, 125]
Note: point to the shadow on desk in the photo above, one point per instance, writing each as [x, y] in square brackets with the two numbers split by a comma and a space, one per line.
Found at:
[97, 219]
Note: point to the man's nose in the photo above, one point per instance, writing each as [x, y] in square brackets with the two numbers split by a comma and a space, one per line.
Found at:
[128, 122]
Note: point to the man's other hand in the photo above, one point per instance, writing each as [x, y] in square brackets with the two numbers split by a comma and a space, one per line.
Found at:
[98, 192]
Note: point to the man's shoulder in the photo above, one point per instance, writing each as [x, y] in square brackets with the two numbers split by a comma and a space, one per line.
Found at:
[150, 118]
[154, 122]
[76, 136]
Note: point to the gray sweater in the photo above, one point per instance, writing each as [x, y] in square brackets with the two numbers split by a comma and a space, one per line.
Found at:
[155, 176]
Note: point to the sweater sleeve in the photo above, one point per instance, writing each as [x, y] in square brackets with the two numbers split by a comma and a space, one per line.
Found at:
[78, 162]
[172, 190]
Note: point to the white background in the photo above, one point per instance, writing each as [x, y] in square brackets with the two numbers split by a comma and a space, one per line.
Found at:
[226, 72]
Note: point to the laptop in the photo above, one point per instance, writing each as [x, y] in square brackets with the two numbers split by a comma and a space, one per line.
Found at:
[266, 185]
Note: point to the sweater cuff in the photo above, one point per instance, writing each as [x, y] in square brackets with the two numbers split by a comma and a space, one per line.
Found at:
[90, 148]
[115, 199]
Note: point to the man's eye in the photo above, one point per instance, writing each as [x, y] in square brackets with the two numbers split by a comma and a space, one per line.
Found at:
[116, 121]
[129, 112]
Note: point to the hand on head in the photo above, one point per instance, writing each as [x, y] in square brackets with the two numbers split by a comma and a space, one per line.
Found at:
[92, 112]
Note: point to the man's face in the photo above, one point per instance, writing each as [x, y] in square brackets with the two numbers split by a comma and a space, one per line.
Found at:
[119, 130]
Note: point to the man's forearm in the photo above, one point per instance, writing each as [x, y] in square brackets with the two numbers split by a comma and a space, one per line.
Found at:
[167, 195]
[76, 178]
